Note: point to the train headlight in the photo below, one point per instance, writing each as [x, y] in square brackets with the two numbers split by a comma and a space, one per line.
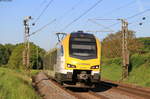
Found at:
[71, 66]
[95, 67]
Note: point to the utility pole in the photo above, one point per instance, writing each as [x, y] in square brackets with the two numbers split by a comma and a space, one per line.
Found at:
[26, 52]
[125, 52]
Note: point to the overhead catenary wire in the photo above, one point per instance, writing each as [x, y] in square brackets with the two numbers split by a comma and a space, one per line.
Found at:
[93, 21]
[43, 11]
[130, 17]
[68, 11]
[72, 8]
[140, 22]
[84, 13]
[109, 12]
[37, 8]
[44, 1]
[43, 27]
[120, 7]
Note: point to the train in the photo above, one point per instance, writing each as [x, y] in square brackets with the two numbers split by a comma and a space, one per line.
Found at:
[76, 60]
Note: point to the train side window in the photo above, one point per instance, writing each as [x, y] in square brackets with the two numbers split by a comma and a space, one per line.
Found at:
[62, 51]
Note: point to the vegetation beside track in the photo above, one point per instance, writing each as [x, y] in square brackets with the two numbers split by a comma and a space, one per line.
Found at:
[139, 70]
[11, 56]
[16, 84]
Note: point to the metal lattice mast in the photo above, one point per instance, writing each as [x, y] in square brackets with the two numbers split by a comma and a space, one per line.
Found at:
[26, 52]
[125, 52]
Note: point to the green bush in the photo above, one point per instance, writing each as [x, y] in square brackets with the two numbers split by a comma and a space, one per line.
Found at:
[16, 60]
[117, 61]
[139, 59]
[139, 74]
[148, 84]
[146, 42]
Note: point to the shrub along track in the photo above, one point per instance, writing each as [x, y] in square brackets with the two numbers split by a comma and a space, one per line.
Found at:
[49, 89]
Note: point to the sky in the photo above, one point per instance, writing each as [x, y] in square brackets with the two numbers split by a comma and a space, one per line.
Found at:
[12, 13]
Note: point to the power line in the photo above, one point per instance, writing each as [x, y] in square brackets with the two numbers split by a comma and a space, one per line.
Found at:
[138, 14]
[43, 11]
[123, 6]
[38, 7]
[130, 17]
[72, 8]
[69, 10]
[93, 6]
[120, 7]
[40, 29]
[42, 2]
[140, 22]
[93, 21]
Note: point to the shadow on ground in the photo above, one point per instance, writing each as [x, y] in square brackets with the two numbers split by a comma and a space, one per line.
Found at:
[101, 87]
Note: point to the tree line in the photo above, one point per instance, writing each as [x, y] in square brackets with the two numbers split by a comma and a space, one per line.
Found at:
[11, 56]
[112, 44]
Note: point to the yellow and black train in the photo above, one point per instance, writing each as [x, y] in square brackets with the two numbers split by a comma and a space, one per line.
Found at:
[76, 59]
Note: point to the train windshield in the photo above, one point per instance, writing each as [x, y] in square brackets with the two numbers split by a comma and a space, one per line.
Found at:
[83, 47]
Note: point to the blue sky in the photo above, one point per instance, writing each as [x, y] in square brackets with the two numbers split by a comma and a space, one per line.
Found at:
[64, 11]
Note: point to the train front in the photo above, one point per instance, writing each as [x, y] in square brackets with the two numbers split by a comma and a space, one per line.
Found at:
[82, 58]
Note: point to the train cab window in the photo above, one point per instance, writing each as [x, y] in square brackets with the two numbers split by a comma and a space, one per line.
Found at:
[83, 47]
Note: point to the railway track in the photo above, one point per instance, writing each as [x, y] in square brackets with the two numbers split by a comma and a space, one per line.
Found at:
[49, 89]
[85, 93]
[128, 90]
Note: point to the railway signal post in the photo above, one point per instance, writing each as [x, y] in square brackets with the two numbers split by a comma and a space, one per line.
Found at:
[26, 52]
[125, 52]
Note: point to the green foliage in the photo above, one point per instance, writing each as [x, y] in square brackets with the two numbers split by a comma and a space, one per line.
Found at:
[16, 59]
[36, 60]
[5, 52]
[111, 71]
[2, 55]
[15, 85]
[112, 44]
[139, 73]
[111, 68]
[117, 61]
[49, 59]
[146, 42]
[139, 59]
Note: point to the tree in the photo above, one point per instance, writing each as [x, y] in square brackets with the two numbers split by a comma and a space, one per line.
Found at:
[8, 51]
[112, 44]
[146, 42]
[2, 55]
[15, 60]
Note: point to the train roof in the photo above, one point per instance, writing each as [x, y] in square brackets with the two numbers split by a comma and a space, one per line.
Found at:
[82, 34]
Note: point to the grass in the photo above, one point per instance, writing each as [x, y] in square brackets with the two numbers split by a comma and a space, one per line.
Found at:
[111, 69]
[15, 84]
[112, 72]
[140, 76]
[139, 71]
